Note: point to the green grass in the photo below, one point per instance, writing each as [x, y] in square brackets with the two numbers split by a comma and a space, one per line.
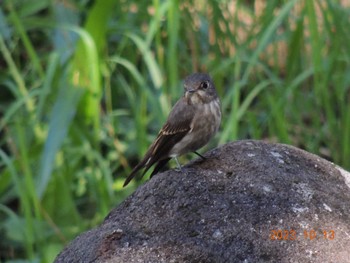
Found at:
[85, 87]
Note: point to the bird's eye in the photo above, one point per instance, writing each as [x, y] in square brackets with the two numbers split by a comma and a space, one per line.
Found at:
[205, 85]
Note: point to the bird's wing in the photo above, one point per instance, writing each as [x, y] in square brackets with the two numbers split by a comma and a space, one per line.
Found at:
[176, 127]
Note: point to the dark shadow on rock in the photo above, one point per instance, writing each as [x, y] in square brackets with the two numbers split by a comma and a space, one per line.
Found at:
[250, 201]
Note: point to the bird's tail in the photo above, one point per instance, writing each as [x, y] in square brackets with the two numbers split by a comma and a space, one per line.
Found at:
[134, 172]
[159, 166]
[146, 163]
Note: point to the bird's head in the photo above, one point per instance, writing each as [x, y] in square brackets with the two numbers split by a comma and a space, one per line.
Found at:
[199, 89]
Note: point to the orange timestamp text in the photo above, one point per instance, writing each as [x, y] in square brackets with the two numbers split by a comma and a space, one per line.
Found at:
[284, 234]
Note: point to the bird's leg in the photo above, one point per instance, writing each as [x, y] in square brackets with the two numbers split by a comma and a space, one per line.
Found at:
[178, 164]
[203, 158]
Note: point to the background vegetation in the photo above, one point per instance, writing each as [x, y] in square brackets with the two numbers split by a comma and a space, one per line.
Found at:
[86, 85]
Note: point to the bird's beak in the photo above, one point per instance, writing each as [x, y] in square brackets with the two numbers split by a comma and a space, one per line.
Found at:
[189, 92]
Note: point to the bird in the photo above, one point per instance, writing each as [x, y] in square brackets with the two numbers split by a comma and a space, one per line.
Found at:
[192, 122]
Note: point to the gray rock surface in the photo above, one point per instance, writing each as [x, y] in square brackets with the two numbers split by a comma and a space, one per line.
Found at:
[249, 201]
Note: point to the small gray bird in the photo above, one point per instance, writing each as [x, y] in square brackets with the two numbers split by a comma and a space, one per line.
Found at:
[192, 122]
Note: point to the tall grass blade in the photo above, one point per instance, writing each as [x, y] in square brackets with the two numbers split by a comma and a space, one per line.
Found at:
[62, 114]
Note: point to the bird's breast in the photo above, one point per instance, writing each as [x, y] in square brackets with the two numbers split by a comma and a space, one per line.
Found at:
[207, 119]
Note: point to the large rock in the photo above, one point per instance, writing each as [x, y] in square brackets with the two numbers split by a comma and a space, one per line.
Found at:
[249, 201]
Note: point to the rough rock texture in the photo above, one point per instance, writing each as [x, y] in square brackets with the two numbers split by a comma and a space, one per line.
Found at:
[250, 201]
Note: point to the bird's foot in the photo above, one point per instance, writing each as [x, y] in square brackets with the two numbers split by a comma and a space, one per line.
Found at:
[179, 167]
[181, 170]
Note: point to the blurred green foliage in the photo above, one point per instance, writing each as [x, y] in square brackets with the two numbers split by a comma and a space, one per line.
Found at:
[86, 85]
